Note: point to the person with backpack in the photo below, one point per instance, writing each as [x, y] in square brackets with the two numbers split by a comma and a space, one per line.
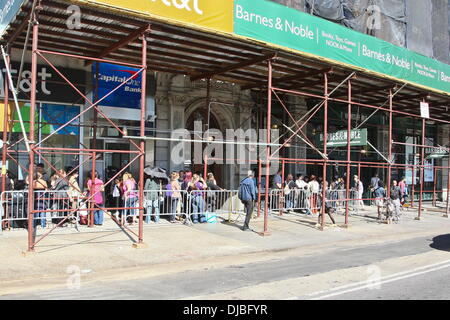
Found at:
[396, 194]
[380, 193]
[247, 195]
[151, 199]
[404, 190]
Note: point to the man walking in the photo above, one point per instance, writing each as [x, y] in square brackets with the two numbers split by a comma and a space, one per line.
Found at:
[247, 194]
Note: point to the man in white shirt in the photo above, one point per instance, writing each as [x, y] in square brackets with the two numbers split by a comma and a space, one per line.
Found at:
[301, 193]
[359, 192]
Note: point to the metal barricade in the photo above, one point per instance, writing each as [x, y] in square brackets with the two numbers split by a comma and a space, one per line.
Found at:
[171, 206]
[297, 200]
[51, 207]
[209, 205]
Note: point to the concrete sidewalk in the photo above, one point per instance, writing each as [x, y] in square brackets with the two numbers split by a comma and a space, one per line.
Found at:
[174, 248]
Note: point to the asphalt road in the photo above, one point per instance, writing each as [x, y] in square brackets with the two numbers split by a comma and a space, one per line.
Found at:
[432, 284]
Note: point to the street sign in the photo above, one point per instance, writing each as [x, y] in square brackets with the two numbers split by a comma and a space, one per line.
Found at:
[424, 110]
[438, 154]
[339, 139]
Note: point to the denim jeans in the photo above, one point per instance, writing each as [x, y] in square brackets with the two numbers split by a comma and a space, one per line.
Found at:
[98, 217]
[198, 206]
[290, 200]
[173, 208]
[40, 205]
[130, 203]
[149, 208]
[43, 221]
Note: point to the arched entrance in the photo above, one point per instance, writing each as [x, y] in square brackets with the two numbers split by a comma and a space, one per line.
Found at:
[201, 114]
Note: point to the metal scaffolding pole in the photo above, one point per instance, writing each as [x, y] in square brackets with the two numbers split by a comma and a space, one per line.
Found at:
[5, 143]
[390, 145]
[447, 211]
[325, 161]
[349, 156]
[31, 229]
[269, 115]
[142, 142]
[422, 164]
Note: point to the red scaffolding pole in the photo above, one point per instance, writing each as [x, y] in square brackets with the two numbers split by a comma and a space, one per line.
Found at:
[38, 149]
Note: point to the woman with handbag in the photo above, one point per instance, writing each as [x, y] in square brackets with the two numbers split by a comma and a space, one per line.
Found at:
[96, 188]
[130, 197]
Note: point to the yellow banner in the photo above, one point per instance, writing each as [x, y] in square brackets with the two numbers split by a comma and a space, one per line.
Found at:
[212, 14]
[2, 112]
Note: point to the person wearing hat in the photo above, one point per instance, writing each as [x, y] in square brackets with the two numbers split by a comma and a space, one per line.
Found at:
[247, 194]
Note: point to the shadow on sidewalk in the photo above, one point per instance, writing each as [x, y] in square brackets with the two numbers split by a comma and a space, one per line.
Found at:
[94, 240]
[441, 242]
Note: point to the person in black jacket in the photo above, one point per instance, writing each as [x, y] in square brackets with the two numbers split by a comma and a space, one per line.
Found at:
[211, 194]
[247, 194]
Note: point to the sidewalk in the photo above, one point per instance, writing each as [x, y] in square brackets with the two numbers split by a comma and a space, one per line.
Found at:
[104, 249]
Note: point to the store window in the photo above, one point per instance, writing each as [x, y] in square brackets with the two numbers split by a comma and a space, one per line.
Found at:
[49, 121]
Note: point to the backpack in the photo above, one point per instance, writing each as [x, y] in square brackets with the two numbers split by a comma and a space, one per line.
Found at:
[169, 190]
[287, 190]
[395, 193]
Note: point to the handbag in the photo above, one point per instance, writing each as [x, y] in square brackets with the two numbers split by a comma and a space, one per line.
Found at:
[287, 190]
[161, 198]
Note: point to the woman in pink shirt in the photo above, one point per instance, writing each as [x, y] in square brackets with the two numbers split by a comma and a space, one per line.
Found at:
[130, 196]
[96, 189]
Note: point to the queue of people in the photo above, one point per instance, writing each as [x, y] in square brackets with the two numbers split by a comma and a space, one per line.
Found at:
[172, 196]
[305, 194]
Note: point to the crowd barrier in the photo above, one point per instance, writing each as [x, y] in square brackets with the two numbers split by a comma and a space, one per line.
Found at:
[174, 206]
[51, 208]
[297, 200]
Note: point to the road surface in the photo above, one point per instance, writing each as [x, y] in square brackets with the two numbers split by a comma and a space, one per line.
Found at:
[417, 268]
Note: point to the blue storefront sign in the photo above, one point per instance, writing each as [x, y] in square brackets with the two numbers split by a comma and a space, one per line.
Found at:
[55, 115]
[8, 10]
[109, 77]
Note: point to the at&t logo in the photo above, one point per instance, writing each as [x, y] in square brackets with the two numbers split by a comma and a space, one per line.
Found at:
[183, 4]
